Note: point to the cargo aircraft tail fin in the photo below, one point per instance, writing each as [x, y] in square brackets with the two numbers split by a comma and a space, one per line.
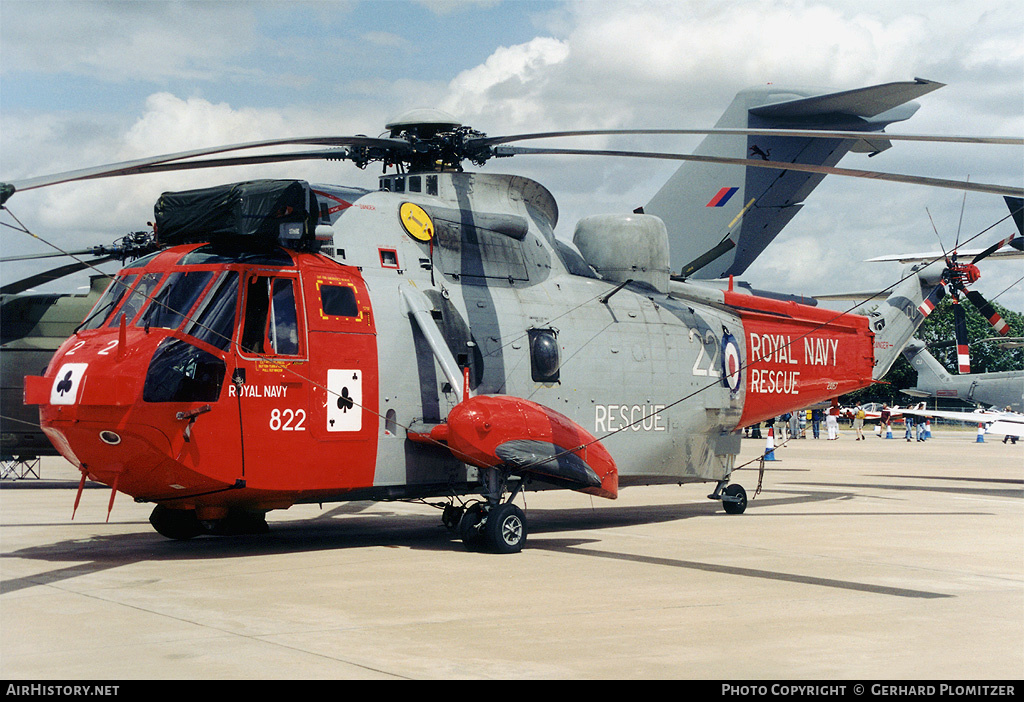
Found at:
[721, 217]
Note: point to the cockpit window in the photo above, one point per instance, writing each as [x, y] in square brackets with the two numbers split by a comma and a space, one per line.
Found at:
[271, 317]
[181, 372]
[214, 320]
[208, 254]
[177, 296]
[115, 291]
[140, 295]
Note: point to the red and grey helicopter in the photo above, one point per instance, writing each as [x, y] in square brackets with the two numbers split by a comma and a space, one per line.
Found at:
[300, 343]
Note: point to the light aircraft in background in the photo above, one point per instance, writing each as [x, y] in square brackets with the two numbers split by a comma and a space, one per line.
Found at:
[1005, 422]
[873, 412]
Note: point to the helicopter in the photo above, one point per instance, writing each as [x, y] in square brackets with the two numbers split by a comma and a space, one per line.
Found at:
[1003, 389]
[711, 234]
[304, 343]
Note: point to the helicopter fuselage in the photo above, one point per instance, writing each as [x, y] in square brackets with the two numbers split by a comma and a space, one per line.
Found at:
[210, 381]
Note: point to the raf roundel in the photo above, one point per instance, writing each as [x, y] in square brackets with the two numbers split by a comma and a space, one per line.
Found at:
[731, 363]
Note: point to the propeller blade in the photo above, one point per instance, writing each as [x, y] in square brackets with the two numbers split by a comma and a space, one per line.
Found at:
[963, 352]
[141, 165]
[989, 312]
[797, 133]
[724, 246]
[758, 163]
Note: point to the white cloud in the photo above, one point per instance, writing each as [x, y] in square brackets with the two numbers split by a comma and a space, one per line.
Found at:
[130, 40]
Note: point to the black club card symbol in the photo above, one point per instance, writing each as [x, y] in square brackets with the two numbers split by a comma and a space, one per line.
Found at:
[345, 401]
[65, 385]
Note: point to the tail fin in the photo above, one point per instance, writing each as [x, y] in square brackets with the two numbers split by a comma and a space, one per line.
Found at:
[730, 213]
[931, 375]
[1016, 206]
[897, 319]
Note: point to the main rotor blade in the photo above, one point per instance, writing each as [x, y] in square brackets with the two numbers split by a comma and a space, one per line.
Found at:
[989, 312]
[20, 286]
[801, 133]
[34, 257]
[778, 165]
[327, 155]
[141, 165]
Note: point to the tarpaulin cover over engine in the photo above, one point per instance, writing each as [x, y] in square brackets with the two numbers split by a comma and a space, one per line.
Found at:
[252, 214]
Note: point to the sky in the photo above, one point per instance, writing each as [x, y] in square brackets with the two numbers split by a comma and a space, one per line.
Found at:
[84, 83]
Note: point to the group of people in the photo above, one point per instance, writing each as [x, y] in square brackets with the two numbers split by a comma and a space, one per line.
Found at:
[920, 434]
[793, 425]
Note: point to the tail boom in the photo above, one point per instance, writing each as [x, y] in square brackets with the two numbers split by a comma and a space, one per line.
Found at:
[799, 355]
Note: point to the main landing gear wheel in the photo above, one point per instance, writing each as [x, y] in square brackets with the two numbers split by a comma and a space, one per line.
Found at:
[471, 527]
[179, 524]
[734, 499]
[498, 529]
[505, 529]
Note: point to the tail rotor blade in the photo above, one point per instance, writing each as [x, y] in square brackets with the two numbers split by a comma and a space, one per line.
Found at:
[963, 352]
[989, 312]
[933, 299]
[1013, 240]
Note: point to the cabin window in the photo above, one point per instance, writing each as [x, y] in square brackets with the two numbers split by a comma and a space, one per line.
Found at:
[214, 320]
[175, 300]
[115, 291]
[544, 355]
[271, 317]
[338, 301]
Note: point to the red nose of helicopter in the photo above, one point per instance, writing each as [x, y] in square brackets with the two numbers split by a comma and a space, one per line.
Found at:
[207, 372]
